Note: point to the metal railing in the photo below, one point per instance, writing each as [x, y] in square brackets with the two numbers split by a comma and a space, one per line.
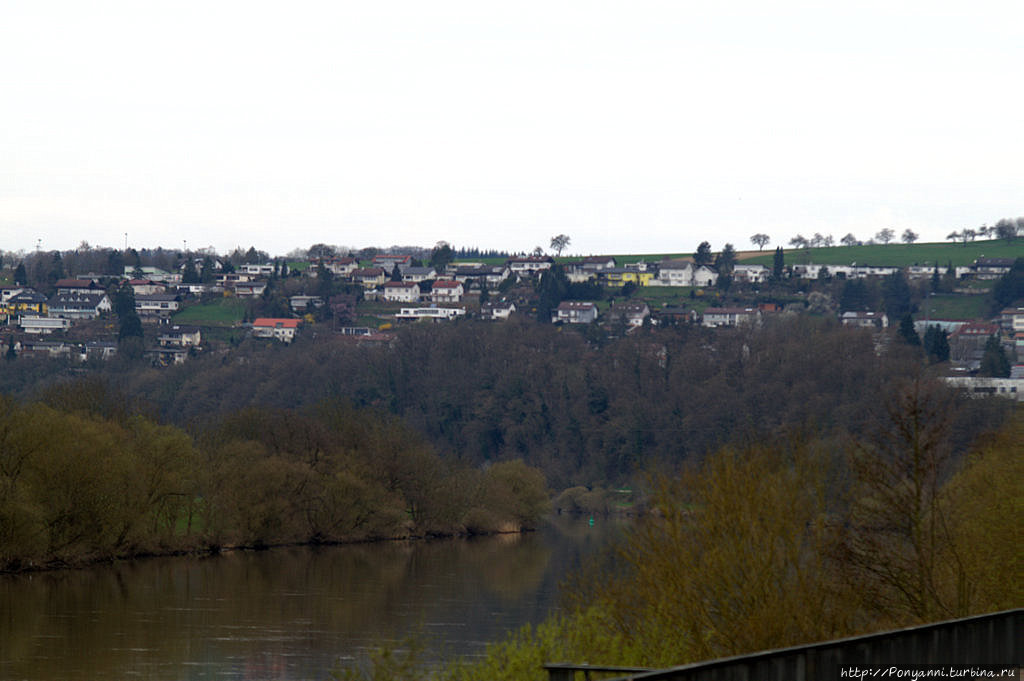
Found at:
[992, 639]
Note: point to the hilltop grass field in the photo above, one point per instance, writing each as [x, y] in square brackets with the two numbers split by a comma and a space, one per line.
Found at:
[894, 254]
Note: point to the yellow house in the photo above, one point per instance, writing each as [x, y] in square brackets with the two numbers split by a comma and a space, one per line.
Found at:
[29, 301]
[620, 276]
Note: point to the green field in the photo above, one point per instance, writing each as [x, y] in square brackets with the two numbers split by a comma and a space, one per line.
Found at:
[952, 306]
[897, 254]
[892, 254]
[221, 312]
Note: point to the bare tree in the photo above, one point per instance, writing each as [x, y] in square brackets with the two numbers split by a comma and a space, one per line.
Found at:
[829, 242]
[909, 236]
[899, 548]
[885, 235]
[559, 243]
[799, 241]
[849, 240]
[760, 240]
[953, 236]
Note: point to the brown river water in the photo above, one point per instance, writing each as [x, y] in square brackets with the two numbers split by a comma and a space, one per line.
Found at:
[285, 613]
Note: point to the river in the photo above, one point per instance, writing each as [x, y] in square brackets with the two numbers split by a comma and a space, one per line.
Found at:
[285, 613]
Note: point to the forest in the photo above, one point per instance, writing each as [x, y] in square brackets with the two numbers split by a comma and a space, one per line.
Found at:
[443, 403]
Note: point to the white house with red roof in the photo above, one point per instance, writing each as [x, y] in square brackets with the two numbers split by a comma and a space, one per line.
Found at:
[447, 291]
[277, 328]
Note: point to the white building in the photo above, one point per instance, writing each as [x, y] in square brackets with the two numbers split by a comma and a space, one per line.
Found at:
[402, 291]
[575, 312]
[34, 324]
[442, 313]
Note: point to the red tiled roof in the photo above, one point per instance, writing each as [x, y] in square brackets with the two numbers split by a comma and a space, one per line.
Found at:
[277, 323]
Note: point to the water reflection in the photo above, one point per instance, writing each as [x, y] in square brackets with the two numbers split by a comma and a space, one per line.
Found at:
[288, 613]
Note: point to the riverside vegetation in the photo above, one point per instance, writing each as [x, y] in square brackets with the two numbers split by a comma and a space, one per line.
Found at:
[82, 479]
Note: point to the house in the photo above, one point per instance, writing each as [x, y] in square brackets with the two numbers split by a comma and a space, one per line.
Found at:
[338, 266]
[79, 305]
[588, 268]
[146, 287]
[37, 324]
[991, 268]
[704, 276]
[967, 344]
[491, 275]
[166, 356]
[250, 289]
[27, 300]
[370, 277]
[77, 286]
[808, 270]
[976, 386]
[674, 315]
[873, 320]
[630, 312]
[156, 306]
[303, 303]
[278, 329]
[446, 291]
[388, 261]
[418, 274]
[154, 273]
[230, 279]
[729, 316]
[199, 289]
[620, 276]
[530, 264]
[180, 336]
[100, 349]
[596, 263]
[402, 291]
[675, 273]
[47, 348]
[863, 271]
[433, 312]
[1012, 319]
[259, 270]
[497, 310]
[750, 274]
[575, 312]
[923, 271]
[6, 292]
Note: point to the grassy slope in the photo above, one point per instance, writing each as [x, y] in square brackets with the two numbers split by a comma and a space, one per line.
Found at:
[221, 312]
[954, 307]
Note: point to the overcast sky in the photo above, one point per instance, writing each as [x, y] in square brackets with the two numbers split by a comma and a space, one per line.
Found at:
[633, 127]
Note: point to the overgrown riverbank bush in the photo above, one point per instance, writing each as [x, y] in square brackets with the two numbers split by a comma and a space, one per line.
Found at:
[79, 485]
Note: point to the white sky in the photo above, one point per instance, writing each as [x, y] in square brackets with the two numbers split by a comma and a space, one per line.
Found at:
[633, 126]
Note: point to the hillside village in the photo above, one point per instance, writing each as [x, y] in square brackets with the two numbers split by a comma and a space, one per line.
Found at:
[205, 303]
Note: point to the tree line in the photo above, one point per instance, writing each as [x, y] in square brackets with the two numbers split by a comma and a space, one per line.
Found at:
[85, 476]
